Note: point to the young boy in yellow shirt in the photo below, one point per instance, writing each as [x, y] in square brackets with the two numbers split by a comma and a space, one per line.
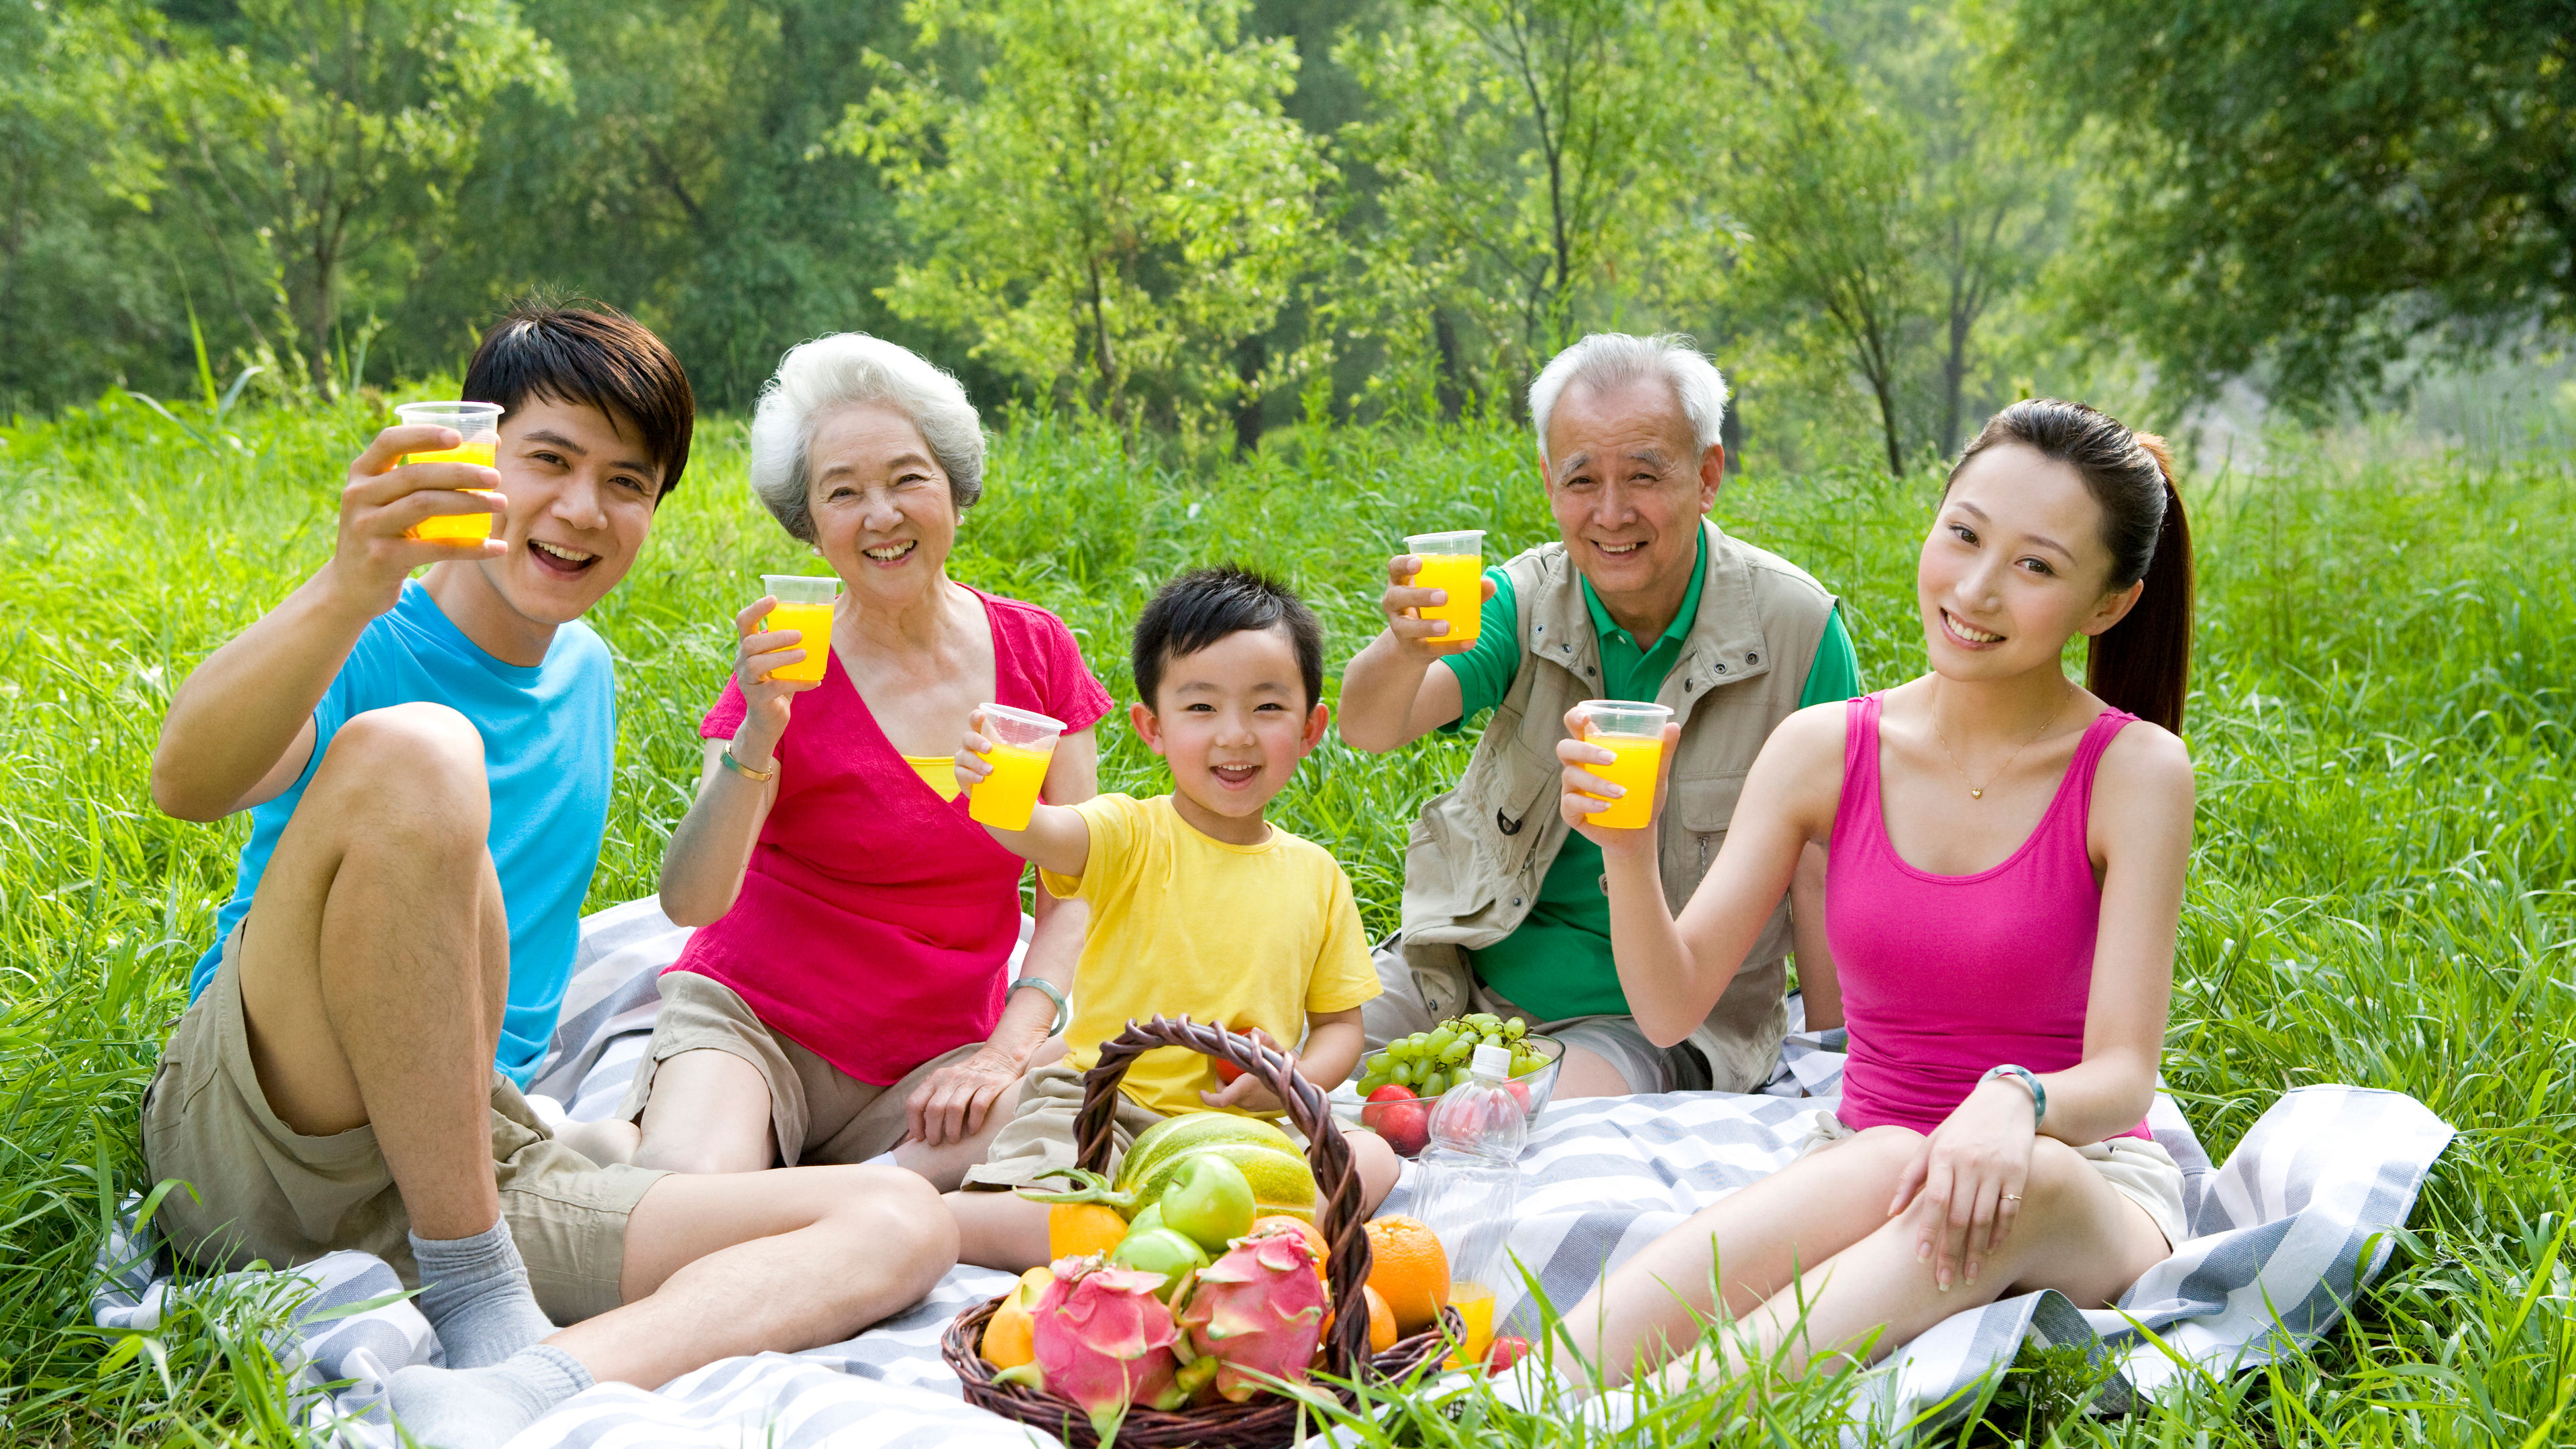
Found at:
[1199, 906]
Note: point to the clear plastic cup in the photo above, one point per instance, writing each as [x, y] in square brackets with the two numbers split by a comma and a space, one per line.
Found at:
[479, 424]
[1455, 562]
[804, 605]
[1634, 735]
[1023, 741]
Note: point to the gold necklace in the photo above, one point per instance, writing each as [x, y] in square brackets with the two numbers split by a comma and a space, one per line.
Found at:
[1975, 790]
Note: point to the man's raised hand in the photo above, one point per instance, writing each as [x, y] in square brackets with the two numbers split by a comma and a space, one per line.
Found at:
[385, 499]
[1423, 635]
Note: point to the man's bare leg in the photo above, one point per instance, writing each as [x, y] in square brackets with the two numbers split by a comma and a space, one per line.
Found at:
[786, 1259]
[376, 958]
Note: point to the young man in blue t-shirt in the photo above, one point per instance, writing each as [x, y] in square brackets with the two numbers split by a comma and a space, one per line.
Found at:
[427, 762]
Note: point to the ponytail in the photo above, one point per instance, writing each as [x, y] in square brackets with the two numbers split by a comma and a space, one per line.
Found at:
[2141, 664]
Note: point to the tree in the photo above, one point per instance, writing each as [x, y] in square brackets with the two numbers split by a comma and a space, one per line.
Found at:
[333, 129]
[83, 297]
[691, 185]
[1510, 139]
[2312, 188]
[1875, 205]
[1105, 196]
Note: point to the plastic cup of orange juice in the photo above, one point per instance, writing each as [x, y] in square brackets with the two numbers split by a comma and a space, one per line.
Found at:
[1475, 1304]
[1023, 741]
[1454, 562]
[479, 424]
[804, 605]
[1634, 735]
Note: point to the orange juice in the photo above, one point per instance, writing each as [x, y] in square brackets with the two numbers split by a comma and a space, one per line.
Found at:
[1633, 768]
[1009, 795]
[814, 621]
[1462, 574]
[1475, 1305]
[458, 527]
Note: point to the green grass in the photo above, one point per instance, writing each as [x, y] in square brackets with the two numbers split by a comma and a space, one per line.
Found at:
[2380, 894]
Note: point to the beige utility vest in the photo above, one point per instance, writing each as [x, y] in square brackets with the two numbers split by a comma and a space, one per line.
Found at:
[1478, 853]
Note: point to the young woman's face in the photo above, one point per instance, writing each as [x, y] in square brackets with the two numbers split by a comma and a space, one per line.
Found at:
[883, 515]
[2014, 567]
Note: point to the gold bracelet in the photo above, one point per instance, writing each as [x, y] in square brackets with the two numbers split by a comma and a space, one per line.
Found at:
[757, 777]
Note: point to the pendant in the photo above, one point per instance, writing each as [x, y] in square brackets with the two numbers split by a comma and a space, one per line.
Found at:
[1975, 794]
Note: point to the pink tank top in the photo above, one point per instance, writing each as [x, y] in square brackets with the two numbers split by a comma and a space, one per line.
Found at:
[1944, 976]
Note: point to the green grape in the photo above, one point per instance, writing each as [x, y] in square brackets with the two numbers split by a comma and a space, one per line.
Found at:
[1440, 1040]
[1434, 1084]
[1369, 1084]
[1515, 1028]
[1458, 1051]
[1402, 1076]
[1418, 1040]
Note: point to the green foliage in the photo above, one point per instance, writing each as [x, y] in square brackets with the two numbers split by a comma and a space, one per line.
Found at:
[1107, 196]
[2379, 892]
[1509, 140]
[2309, 188]
[337, 133]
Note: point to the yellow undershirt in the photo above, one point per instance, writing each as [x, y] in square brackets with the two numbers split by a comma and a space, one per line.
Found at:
[939, 772]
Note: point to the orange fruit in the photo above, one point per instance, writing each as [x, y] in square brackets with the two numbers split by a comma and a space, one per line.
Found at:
[1381, 1322]
[1314, 1236]
[1079, 1229]
[1409, 1269]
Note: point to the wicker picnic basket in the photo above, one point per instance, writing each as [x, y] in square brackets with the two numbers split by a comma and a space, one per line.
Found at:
[1266, 1419]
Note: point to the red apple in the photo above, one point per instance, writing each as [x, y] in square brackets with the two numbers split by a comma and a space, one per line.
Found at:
[1400, 1117]
[1504, 1352]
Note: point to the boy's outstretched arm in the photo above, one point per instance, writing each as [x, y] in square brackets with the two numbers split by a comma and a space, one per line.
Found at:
[1057, 839]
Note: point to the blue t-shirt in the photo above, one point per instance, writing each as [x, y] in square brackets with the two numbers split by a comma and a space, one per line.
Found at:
[549, 748]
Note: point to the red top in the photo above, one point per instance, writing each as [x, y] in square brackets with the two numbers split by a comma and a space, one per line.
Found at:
[1944, 976]
[875, 921]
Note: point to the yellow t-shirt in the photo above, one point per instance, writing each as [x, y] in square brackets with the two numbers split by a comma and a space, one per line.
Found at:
[1248, 935]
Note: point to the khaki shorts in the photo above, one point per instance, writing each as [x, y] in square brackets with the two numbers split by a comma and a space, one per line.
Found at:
[1040, 1135]
[2136, 1167]
[817, 1112]
[265, 1192]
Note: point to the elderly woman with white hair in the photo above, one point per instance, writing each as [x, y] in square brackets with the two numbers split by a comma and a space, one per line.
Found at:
[850, 994]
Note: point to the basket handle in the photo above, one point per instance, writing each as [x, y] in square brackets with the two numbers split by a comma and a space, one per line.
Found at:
[1338, 1214]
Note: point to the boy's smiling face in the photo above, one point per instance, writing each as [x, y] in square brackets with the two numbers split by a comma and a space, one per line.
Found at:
[1232, 721]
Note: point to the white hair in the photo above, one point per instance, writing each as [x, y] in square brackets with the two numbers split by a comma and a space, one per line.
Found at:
[1606, 361]
[816, 377]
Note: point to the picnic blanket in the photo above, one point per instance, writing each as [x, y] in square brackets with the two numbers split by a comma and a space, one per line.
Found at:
[2285, 1234]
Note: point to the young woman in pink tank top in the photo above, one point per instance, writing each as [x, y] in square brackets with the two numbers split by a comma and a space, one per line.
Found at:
[2005, 873]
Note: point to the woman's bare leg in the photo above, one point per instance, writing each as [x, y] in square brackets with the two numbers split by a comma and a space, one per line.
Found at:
[709, 1112]
[1655, 1303]
[999, 1230]
[2075, 1234]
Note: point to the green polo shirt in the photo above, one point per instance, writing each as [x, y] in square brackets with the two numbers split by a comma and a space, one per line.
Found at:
[1558, 964]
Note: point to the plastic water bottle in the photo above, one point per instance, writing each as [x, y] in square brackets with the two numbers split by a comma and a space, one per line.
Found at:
[1471, 1182]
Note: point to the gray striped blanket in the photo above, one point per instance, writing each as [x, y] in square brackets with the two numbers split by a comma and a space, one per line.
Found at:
[2284, 1234]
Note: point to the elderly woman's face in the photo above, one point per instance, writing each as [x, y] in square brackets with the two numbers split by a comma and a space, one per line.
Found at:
[883, 515]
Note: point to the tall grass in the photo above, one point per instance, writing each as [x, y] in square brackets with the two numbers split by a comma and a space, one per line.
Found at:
[2380, 893]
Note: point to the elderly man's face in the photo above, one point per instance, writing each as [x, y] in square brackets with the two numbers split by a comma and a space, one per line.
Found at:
[1628, 484]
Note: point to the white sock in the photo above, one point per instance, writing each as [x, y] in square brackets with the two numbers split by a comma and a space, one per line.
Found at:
[475, 1293]
[482, 1408]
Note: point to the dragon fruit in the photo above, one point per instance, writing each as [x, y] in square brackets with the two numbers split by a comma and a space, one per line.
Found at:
[1103, 1340]
[1258, 1308]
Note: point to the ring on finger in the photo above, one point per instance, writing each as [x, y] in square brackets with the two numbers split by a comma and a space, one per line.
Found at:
[2012, 1197]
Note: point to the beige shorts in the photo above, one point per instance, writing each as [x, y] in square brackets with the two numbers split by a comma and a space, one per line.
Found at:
[1040, 1135]
[2135, 1167]
[817, 1112]
[267, 1193]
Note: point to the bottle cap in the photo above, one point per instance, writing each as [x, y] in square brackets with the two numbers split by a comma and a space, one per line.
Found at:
[1492, 1061]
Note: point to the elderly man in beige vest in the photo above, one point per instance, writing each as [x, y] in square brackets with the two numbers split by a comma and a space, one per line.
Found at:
[1642, 598]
